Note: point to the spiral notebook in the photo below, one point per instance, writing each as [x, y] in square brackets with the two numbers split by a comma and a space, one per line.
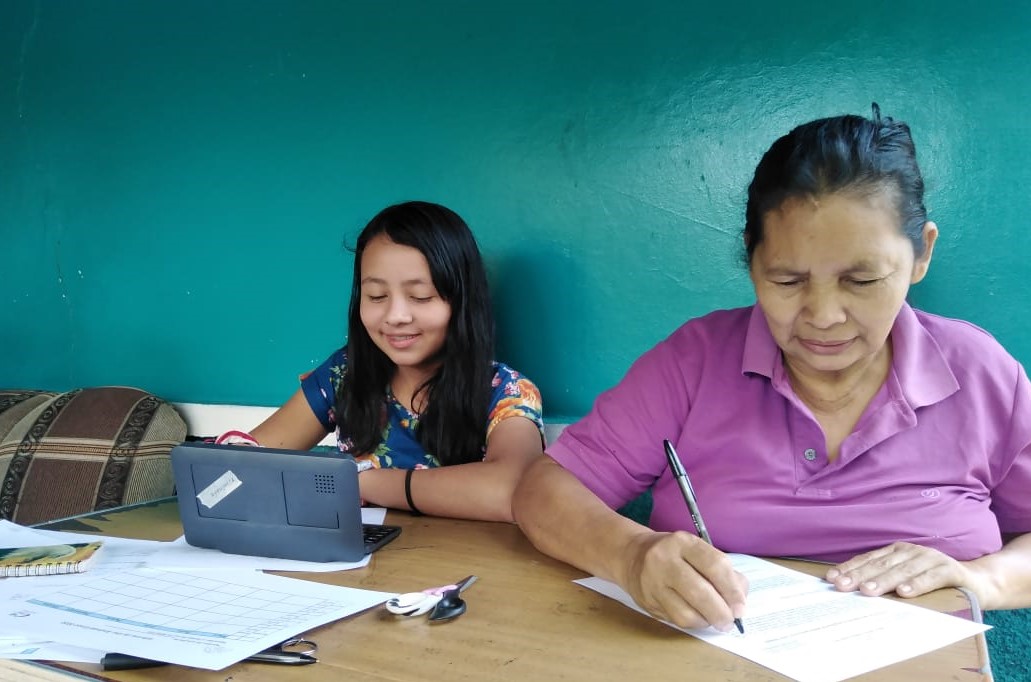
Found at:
[47, 559]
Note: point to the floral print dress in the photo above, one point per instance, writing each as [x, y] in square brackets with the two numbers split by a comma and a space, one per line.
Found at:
[513, 396]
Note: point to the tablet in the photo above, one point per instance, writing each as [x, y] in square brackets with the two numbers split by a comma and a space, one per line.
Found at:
[271, 502]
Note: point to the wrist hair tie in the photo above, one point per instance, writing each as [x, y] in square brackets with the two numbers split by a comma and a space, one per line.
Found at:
[408, 493]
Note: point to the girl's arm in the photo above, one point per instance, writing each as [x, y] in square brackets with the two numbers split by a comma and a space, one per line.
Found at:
[293, 426]
[477, 490]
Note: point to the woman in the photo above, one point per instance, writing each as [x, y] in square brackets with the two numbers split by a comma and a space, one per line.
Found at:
[416, 387]
[830, 420]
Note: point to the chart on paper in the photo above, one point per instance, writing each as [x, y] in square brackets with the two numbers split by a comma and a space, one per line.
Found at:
[213, 618]
[186, 604]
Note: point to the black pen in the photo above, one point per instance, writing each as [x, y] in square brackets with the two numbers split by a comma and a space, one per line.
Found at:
[692, 502]
[115, 661]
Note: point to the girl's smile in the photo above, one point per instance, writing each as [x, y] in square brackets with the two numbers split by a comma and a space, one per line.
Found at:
[401, 342]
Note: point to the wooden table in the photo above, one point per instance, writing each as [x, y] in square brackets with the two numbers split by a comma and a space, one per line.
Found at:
[526, 620]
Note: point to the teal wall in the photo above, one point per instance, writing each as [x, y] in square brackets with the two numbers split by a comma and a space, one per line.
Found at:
[177, 178]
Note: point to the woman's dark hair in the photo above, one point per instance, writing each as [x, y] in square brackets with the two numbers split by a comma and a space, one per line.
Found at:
[454, 423]
[848, 154]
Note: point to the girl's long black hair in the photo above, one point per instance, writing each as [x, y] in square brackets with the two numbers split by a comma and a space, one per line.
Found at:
[453, 425]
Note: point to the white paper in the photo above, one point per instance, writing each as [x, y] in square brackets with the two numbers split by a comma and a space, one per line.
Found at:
[204, 619]
[123, 554]
[800, 626]
[29, 649]
[126, 554]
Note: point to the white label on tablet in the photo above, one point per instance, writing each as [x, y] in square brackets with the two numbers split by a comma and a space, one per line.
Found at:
[219, 489]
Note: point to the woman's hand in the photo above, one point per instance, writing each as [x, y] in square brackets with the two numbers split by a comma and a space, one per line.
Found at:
[679, 578]
[1001, 580]
[904, 568]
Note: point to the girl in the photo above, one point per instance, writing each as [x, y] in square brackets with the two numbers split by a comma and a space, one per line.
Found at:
[416, 387]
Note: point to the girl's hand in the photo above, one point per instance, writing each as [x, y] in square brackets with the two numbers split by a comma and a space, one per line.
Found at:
[679, 578]
[904, 568]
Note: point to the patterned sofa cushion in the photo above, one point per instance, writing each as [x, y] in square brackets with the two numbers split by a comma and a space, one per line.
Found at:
[16, 404]
[87, 449]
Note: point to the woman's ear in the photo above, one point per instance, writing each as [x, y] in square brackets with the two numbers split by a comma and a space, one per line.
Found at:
[923, 261]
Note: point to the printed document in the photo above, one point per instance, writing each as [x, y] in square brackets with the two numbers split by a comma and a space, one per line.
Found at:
[28, 649]
[205, 619]
[800, 626]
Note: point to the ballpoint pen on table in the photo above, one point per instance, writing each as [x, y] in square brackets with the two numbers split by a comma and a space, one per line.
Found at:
[692, 502]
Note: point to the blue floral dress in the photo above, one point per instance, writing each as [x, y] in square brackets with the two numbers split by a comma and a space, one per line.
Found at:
[513, 396]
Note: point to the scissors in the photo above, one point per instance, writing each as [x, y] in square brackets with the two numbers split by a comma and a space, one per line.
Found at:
[418, 603]
[296, 651]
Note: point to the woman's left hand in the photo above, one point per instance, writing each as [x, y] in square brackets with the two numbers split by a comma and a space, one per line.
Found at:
[904, 568]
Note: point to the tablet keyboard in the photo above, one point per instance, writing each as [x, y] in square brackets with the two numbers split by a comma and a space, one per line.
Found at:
[376, 536]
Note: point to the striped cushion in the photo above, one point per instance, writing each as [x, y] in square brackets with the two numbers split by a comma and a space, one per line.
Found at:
[14, 405]
[88, 449]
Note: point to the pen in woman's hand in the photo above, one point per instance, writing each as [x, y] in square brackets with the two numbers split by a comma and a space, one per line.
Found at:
[692, 503]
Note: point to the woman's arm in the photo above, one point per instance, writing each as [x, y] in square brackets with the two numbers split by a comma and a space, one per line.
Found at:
[1001, 580]
[293, 426]
[477, 490]
[674, 576]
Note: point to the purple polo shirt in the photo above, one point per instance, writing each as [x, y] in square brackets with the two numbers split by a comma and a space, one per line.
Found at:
[941, 456]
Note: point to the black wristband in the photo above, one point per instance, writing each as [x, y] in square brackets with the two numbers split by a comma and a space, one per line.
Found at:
[408, 493]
